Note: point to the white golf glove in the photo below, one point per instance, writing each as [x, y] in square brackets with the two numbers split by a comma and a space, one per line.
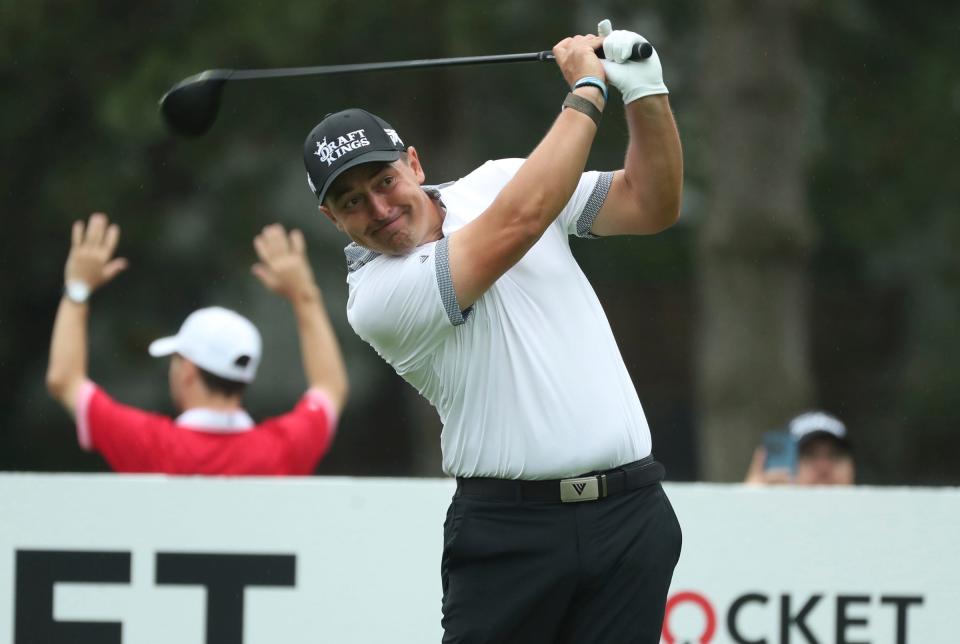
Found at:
[634, 79]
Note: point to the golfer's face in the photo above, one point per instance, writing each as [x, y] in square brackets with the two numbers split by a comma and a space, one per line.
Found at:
[381, 206]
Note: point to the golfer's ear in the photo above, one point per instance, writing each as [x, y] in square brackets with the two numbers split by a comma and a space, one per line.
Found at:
[414, 161]
[329, 215]
[188, 371]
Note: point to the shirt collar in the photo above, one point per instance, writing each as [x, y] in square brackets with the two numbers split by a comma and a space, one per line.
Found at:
[215, 420]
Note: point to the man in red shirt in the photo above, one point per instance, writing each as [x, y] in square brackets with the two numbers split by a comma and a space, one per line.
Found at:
[214, 356]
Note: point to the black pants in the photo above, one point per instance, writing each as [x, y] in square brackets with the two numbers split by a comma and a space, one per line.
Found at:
[579, 573]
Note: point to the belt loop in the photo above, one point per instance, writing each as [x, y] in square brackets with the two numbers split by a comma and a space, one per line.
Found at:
[602, 478]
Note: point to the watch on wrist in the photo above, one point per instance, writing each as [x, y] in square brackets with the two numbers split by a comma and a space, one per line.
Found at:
[77, 291]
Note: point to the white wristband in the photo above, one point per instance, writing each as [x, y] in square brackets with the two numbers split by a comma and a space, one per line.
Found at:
[77, 291]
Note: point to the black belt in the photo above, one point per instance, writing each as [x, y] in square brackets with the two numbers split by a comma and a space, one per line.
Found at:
[589, 487]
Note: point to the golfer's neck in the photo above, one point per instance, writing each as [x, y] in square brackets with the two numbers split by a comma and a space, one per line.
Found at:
[199, 398]
[437, 215]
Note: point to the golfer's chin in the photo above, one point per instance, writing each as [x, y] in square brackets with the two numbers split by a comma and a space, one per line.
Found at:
[399, 242]
[400, 245]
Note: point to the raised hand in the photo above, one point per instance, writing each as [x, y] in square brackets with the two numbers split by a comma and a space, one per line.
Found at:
[634, 79]
[91, 259]
[576, 58]
[283, 267]
[757, 474]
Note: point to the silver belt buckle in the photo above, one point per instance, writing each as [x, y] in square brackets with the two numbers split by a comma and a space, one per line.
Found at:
[586, 488]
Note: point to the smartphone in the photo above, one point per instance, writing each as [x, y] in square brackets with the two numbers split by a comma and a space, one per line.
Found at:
[781, 450]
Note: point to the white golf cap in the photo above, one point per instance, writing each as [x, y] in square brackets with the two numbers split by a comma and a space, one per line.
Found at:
[818, 423]
[217, 340]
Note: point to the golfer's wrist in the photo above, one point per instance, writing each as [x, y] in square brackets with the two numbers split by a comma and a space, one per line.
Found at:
[307, 295]
[593, 81]
[592, 94]
[69, 301]
[77, 291]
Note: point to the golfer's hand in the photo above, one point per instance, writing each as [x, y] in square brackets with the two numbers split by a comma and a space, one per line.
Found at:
[576, 58]
[283, 267]
[634, 79]
[758, 475]
[91, 258]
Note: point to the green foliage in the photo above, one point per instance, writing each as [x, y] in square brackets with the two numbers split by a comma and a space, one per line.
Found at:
[80, 132]
[885, 191]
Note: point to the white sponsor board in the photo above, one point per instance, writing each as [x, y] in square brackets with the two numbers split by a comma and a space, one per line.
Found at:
[853, 566]
[151, 560]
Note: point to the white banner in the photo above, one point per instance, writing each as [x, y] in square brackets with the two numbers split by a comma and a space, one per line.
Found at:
[154, 560]
[818, 566]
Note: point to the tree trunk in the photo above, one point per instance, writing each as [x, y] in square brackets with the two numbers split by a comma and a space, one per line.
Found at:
[754, 367]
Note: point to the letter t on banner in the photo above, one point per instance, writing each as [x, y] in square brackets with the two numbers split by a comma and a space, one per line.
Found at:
[225, 578]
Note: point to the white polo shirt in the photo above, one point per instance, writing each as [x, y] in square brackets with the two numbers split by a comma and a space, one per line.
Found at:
[529, 382]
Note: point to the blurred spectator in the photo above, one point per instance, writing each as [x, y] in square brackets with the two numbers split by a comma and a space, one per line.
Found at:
[214, 357]
[824, 455]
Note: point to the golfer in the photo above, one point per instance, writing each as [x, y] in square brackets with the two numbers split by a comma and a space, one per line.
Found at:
[559, 530]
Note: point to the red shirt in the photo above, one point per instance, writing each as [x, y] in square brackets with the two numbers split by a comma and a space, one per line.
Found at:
[133, 440]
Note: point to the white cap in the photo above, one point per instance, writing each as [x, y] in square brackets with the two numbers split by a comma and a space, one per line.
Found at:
[217, 340]
[818, 423]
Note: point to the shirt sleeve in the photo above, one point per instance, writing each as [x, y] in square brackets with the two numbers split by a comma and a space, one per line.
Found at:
[405, 306]
[581, 211]
[130, 439]
[308, 431]
[578, 214]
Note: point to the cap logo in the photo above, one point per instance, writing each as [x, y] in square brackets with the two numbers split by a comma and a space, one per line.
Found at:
[394, 137]
[333, 150]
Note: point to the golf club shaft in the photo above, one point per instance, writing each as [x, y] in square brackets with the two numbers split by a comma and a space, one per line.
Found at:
[537, 56]
[400, 64]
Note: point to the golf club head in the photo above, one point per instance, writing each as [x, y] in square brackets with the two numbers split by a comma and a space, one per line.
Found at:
[191, 106]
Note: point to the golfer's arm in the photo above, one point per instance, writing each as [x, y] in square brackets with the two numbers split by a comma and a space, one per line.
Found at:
[644, 197]
[487, 247]
[67, 369]
[322, 361]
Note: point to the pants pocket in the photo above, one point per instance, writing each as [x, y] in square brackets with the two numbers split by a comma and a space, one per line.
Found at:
[670, 517]
[452, 529]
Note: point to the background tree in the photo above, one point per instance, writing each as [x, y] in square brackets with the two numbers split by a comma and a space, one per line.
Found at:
[866, 169]
[754, 365]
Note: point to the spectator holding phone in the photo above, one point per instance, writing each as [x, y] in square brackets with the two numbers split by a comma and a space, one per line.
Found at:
[813, 450]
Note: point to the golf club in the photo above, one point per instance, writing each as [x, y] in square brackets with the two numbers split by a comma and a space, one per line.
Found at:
[190, 107]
